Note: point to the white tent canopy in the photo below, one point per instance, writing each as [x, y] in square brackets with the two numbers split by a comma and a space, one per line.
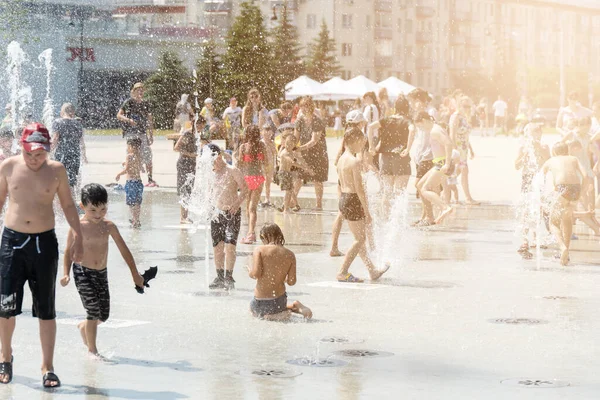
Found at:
[335, 89]
[360, 85]
[395, 87]
[302, 86]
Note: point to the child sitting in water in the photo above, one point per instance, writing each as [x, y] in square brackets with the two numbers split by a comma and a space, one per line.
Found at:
[273, 266]
[290, 162]
[90, 276]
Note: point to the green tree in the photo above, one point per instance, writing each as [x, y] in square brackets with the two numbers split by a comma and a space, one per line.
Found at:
[322, 64]
[208, 72]
[247, 62]
[15, 16]
[165, 87]
[286, 52]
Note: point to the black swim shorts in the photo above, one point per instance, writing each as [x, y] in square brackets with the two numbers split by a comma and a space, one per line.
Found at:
[92, 285]
[262, 307]
[226, 228]
[33, 258]
[423, 168]
[351, 207]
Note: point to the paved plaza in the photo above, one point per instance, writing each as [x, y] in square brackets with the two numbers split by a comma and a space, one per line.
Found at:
[459, 315]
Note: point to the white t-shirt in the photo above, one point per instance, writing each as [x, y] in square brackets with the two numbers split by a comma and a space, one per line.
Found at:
[500, 107]
[234, 115]
[371, 114]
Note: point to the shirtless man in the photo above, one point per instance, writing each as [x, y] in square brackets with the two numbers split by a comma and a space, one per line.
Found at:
[443, 167]
[30, 248]
[353, 205]
[273, 266]
[230, 192]
[566, 171]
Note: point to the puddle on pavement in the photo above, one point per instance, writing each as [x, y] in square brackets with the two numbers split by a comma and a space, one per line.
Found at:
[362, 353]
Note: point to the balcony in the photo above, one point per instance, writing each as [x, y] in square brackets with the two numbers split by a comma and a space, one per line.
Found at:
[383, 33]
[291, 5]
[425, 8]
[457, 39]
[424, 37]
[462, 15]
[423, 63]
[383, 62]
[213, 6]
[472, 41]
[383, 6]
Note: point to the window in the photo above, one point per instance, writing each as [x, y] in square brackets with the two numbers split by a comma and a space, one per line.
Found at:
[382, 21]
[408, 51]
[409, 26]
[368, 21]
[399, 25]
[410, 3]
[347, 21]
[311, 21]
[384, 47]
[347, 49]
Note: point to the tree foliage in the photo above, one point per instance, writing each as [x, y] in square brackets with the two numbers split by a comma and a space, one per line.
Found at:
[208, 73]
[247, 62]
[288, 63]
[322, 64]
[165, 87]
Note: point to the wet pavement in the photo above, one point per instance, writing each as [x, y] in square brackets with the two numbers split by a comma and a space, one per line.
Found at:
[459, 315]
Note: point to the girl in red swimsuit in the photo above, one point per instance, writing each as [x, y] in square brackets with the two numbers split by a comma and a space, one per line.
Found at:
[252, 162]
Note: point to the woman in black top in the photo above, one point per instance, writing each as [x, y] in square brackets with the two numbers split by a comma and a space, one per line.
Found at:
[68, 143]
[393, 149]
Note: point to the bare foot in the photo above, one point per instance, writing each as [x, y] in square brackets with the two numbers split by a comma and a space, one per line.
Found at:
[95, 356]
[81, 328]
[564, 257]
[443, 215]
[186, 221]
[336, 253]
[377, 273]
[472, 202]
[300, 308]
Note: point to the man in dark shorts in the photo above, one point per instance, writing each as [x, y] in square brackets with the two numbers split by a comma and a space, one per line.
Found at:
[29, 249]
[136, 115]
[230, 191]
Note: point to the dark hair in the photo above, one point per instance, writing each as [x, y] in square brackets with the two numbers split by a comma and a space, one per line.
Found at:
[307, 101]
[93, 194]
[375, 101]
[423, 116]
[249, 107]
[560, 149]
[271, 234]
[252, 135]
[402, 106]
[352, 135]
[134, 142]
[421, 95]
[286, 105]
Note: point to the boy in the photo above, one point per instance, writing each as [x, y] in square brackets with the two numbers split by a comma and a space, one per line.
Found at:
[267, 135]
[567, 183]
[353, 205]
[134, 188]
[273, 266]
[230, 191]
[291, 162]
[90, 275]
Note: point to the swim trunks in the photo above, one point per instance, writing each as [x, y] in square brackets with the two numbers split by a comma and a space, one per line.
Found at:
[226, 227]
[133, 192]
[570, 191]
[92, 285]
[351, 207]
[423, 167]
[262, 307]
[31, 257]
[286, 180]
[254, 182]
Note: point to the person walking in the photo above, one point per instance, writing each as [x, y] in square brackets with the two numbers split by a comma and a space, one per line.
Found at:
[68, 143]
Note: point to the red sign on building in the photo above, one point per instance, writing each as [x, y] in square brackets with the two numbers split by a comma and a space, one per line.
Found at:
[79, 54]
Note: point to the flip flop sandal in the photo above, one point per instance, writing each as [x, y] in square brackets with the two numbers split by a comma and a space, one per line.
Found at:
[50, 377]
[349, 278]
[6, 368]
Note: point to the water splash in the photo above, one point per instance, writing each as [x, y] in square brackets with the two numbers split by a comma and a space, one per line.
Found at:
[20, 94]
[45, 58]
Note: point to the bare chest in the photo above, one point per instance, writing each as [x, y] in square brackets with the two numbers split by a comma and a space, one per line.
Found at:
[29, 186]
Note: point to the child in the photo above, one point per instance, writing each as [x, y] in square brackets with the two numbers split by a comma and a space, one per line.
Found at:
[271, 154]
[134, 188]
[566, 171]
[90, 276]
[290, 162]
[273, 266]
[6, 142]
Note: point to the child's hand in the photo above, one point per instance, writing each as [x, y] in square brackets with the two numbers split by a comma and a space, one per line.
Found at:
[64, 281]
[404, 153]
[117, 178]
[138, 280]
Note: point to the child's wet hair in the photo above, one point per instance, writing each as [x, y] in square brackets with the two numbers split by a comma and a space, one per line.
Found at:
[271, 234]
[352, 135]
[93, 194]
[134, 142]
[560, 149]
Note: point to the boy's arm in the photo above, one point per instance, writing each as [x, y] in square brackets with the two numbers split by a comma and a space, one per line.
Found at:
[125, 168]
[520, 158]
[150, 129]
[370, 136]
[242, 190]
[125, 253]
[255, 271]
[360, 190]
[291, 276]
[411, 139]
[3, 185]
[70, 211]
[67, 261]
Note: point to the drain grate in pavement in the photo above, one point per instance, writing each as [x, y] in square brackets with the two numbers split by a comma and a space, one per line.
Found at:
[340, 340]
[354, 353]
[559, 297]
[180, 271]
[270, 373]
[318, 363]
[518, 321]
[185, 259]
[536, 383]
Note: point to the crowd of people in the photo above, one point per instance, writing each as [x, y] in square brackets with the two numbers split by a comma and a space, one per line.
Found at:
[286, 146]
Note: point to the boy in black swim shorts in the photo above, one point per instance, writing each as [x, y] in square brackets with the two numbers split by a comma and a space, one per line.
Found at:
[230, 190]
[90, 274]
